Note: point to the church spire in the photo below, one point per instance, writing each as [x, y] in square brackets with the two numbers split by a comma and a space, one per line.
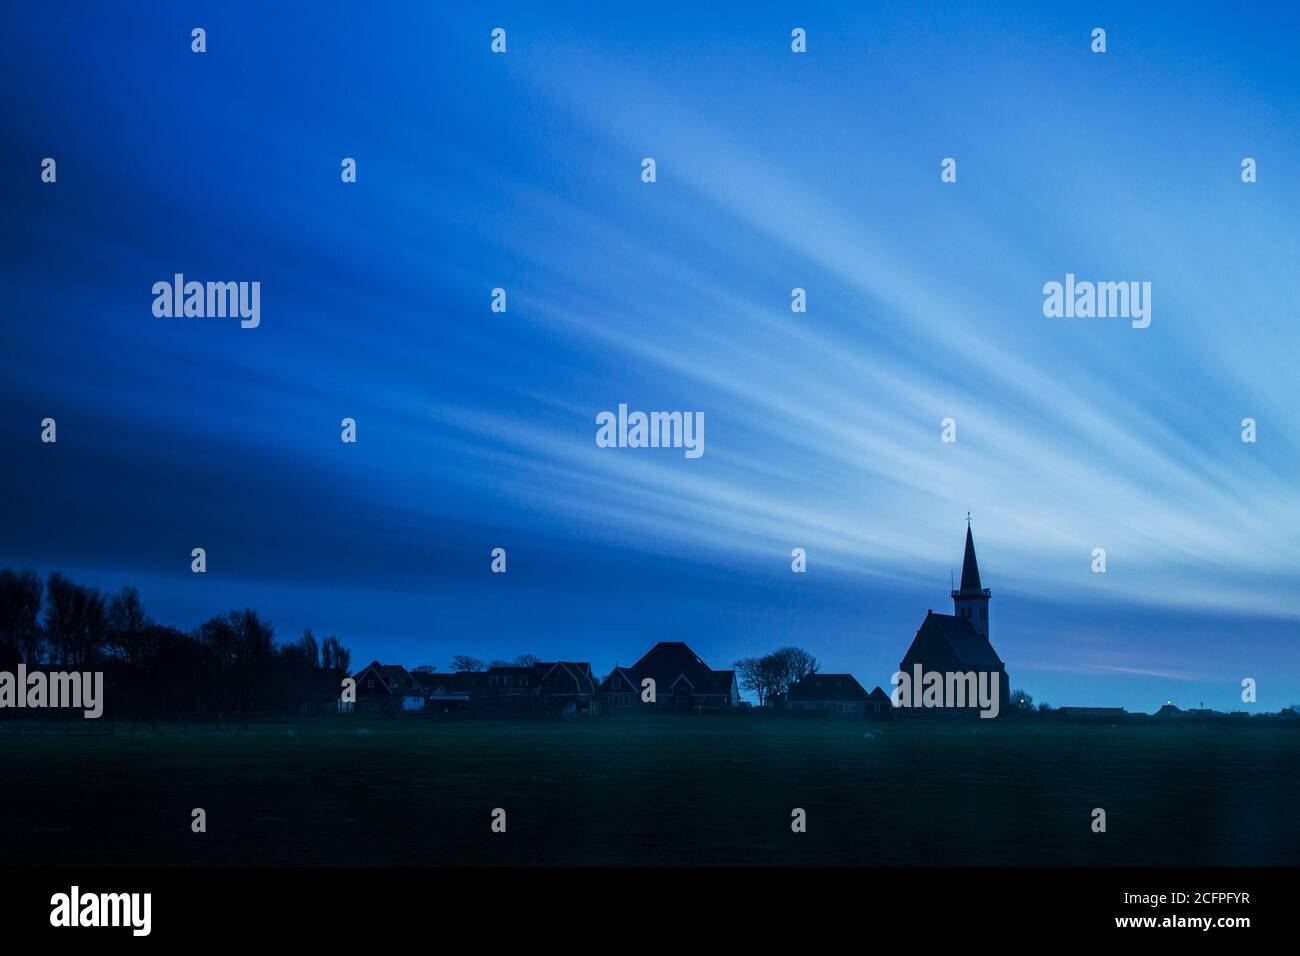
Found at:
[971, 600]
[970, 569]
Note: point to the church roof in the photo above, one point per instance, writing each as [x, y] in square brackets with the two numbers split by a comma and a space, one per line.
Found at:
[971, 649]
[970, 569]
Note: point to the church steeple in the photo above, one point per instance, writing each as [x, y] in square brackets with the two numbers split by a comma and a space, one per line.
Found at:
[970, 569]
[971, 601]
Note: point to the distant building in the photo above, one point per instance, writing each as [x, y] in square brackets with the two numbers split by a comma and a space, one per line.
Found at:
[510, 691]
[832, 694]
[682, 682]
[451, 693]
[879, 706]
[558, 688]
[387, 687]
[566, 688]
[959, 642]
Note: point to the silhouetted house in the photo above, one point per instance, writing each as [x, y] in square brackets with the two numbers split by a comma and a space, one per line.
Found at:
[682, 682]
[566, 688]
[388, 688]
[729, 683]
[831, 694]
[509, 692]
[1169, 712]
[619, 692]
[958, 643]
[879, 706]
[451, 693]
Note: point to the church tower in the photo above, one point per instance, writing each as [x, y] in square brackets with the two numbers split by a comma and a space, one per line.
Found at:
[972, 601]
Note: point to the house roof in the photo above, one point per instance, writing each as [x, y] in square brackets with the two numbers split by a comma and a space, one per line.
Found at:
[621, 671]
[395, 678]
[879, 696]
[726, 680]
[970, 649]
[822, 687]
[511, 671]
[669, 661]
[580, 671]
[456, 682]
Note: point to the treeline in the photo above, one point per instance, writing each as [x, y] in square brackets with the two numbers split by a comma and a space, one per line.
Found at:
[228, 667]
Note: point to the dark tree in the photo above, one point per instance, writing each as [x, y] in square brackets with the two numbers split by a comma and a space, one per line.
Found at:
[463, 663]
[127, 625]
[755, 677]
[20, 616]
[76, 623]
[794, 664]
[335, 658]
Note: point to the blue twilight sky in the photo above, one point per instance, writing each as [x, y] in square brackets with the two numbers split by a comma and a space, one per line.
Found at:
[775, 170]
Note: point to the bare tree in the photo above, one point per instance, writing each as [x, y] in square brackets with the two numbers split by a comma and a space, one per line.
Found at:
[463, 662]
[127, 624]
[76, 622]
[771, 675]
[20, 615]
[526, 660]
[334, 656]
[308, 649]
[795, 665]
[755, 675]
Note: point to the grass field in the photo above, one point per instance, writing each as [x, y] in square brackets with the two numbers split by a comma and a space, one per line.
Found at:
[657, 790]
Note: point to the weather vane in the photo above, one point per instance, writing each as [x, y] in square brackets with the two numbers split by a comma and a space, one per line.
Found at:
[968, 519]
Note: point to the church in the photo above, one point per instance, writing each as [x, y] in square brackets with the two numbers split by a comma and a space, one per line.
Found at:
[959, 642]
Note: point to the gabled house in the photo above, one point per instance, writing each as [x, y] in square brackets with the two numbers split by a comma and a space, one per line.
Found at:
[388, 687]
[566, 688]
[682, 682]
[619, 692]
[879, 705]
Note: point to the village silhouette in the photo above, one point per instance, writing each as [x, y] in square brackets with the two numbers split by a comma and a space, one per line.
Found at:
[231, 667]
